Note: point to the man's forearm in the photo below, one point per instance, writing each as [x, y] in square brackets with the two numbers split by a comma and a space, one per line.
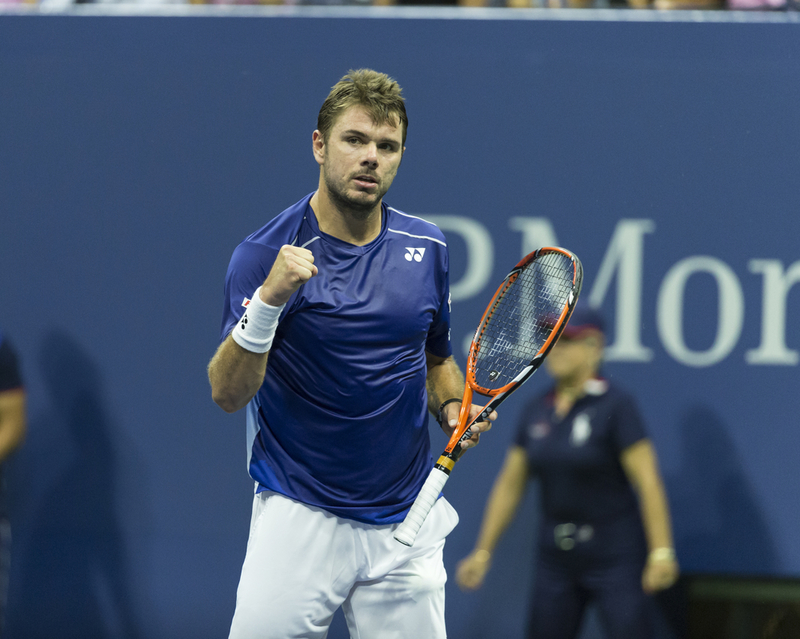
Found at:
[445, 381]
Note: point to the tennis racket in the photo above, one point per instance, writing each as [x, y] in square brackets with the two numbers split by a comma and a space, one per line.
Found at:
[519, 327]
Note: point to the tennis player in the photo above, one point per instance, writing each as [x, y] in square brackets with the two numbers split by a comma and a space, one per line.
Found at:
[335, 337]
[605, 535]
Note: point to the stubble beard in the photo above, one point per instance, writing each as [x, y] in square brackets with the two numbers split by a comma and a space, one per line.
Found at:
[359, 208]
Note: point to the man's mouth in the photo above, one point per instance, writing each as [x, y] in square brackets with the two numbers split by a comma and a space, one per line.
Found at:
[365, 181]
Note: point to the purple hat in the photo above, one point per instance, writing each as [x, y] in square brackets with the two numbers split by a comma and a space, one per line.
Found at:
[584, 318]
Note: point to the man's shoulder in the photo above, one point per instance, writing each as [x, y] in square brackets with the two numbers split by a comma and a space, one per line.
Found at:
[282, 229]
[256, 252]
[406, 224]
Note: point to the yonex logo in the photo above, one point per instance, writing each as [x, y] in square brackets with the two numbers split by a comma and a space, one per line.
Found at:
[414, 254]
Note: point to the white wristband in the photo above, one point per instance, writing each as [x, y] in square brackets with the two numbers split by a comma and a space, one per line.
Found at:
[256, 329]
[662, 554]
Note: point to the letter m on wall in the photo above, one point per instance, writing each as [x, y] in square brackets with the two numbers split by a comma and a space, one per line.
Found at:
[624, 259]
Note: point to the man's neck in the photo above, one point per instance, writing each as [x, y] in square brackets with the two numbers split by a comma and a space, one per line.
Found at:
[358, 228]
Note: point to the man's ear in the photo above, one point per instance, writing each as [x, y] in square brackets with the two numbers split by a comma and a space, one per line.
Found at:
[318, 146]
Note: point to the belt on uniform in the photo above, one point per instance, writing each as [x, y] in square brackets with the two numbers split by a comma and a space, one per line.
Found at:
[568, 535]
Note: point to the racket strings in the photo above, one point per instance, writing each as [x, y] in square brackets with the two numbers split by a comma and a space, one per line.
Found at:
[524, 315]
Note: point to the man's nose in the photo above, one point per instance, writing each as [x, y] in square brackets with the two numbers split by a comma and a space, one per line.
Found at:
[371, 154]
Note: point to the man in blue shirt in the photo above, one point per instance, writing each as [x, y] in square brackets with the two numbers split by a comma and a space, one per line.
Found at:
[335, 337]
[604, 535]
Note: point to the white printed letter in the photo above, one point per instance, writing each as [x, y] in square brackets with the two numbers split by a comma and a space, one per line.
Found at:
[536, 232]
[730, 314]
[777, 283]
[480, 253]
[625, 255]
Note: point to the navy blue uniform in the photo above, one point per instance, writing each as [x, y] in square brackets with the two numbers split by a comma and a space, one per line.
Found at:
[591, 541]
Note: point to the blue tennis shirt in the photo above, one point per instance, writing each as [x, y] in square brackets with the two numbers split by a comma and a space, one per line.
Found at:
[340, 421]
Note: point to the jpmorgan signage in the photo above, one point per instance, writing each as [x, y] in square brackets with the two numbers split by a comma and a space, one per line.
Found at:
[623, 265]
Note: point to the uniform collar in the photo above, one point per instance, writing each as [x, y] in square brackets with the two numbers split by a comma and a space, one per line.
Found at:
[595, 386]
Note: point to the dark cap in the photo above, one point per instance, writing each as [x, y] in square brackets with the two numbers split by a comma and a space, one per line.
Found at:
[584, 318]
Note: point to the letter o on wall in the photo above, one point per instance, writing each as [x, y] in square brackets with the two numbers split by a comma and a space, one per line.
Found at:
[670, 311]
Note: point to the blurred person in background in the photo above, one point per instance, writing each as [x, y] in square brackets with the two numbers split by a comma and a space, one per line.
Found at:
[604, 534]
[12, 431]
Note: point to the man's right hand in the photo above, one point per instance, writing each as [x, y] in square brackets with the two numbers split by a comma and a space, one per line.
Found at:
[293, 267]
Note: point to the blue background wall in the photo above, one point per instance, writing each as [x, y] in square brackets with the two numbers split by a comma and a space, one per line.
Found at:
[136, 152]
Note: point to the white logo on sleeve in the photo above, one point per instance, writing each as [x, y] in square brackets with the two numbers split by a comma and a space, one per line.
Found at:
[581, 430]
[414, 254]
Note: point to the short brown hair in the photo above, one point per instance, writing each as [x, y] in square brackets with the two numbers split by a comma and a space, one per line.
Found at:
[379, 94]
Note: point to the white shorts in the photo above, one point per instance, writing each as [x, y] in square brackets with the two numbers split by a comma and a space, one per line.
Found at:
[303, 563]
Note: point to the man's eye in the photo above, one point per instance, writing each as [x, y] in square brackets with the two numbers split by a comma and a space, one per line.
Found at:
[353, 140]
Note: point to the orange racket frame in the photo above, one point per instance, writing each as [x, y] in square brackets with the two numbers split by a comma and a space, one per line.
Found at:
[407, 531]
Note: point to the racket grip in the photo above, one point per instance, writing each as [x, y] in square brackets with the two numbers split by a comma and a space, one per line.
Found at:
[406, 532]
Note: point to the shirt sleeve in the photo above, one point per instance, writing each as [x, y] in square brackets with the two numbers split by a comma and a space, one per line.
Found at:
[248, 268]
[524, 421]
[438, 341]
[629, 426]
[10, 377]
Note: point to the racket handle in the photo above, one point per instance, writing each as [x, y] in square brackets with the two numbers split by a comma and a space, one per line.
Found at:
[406, 532]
